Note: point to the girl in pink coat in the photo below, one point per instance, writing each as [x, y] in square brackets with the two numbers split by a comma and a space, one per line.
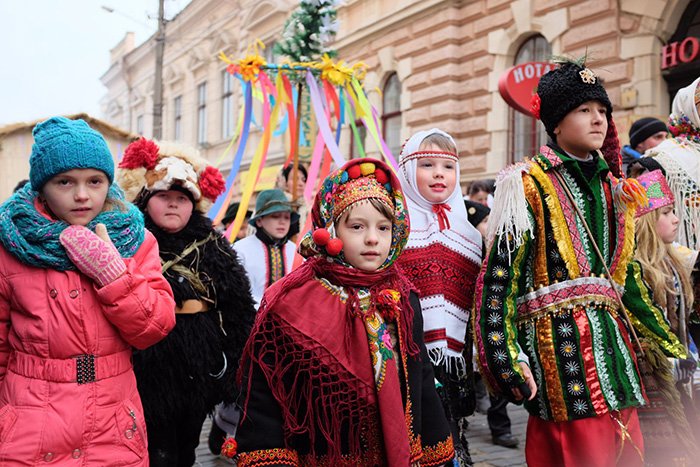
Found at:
[80, 285]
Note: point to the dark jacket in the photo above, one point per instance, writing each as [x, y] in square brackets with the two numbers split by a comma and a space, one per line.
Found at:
[195, 365]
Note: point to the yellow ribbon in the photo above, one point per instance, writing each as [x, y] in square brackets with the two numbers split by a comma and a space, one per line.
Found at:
[256, 163]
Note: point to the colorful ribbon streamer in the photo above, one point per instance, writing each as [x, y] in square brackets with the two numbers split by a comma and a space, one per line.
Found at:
[323, 126]
[218, 210]
[258, 161]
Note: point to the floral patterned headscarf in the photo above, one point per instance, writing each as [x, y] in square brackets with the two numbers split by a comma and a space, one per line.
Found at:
[358, 180]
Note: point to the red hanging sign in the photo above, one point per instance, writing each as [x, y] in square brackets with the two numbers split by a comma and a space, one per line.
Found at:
[519, 83]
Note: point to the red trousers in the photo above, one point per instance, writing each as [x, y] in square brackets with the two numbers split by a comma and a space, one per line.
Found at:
[590, 442]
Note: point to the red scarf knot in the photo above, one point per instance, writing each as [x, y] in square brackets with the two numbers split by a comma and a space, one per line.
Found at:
[443, 220]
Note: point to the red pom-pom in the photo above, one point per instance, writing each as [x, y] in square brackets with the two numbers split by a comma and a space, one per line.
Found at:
[334, 247]
[141, 153]
[354, 171]
[321, 237]
[535, 103]
[211, 182]
[229, 448]
[381, 176]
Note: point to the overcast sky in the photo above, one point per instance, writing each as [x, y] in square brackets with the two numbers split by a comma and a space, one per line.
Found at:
[54, 52]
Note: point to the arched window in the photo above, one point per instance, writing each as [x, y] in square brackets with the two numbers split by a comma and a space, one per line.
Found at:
[391, 114]
[527, 134]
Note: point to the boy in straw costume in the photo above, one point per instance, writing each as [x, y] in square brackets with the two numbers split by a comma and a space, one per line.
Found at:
[559, 286]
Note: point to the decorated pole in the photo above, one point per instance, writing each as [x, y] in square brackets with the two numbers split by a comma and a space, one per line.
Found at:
[332, 90]
[304, 39]
[295, 159]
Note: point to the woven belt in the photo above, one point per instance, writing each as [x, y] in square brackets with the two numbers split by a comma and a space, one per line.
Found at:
[563, 296]
[80, 369]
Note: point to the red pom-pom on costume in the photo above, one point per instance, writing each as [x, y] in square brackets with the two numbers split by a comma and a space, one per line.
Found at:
[535, 103]
[381, 176]
[334, 247]
[141, 153]
[229, 448]
[321, 237]
[211, 182]
[354, 171]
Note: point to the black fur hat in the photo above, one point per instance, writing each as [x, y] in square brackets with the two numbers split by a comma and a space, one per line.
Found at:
[566, 87]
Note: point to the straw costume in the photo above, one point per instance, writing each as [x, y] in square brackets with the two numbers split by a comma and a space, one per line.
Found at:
[182, 378]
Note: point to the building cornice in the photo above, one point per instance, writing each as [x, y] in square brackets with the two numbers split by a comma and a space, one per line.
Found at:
[376, 28]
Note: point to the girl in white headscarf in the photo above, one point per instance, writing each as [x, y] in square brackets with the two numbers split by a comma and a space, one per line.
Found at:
[680, 158]
[442, 259]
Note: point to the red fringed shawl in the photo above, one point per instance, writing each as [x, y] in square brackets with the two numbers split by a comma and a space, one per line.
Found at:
[313, 351]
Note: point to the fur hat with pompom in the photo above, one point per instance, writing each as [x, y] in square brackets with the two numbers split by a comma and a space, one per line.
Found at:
[149, 166]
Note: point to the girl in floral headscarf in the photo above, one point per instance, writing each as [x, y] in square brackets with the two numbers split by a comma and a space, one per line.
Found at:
[345, 378]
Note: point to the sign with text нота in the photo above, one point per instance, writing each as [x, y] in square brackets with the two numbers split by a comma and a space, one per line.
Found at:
[519, 83]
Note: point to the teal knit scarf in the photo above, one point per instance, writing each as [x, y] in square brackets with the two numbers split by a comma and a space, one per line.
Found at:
[33, 239]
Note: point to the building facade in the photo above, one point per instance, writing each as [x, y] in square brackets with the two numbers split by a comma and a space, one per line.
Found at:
[431, 63]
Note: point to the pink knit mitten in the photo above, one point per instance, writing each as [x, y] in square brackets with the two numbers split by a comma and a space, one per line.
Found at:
[93, 253]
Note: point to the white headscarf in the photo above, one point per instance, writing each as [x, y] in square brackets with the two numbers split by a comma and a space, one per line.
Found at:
[680, 158]
[420, 209]
[684, 104]
[461, 237]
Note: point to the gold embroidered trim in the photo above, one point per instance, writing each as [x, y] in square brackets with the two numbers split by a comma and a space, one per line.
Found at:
[559, 226]
[534, 199]
[548, 359]
[438, 454]
[275, 456]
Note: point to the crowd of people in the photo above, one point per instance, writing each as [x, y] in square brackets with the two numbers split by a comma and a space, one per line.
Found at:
[566, 284]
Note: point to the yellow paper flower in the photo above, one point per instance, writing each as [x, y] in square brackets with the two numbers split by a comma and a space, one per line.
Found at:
[249, 66]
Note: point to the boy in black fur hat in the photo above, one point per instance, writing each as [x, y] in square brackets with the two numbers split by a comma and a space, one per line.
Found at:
[183, 377]
[548, 321]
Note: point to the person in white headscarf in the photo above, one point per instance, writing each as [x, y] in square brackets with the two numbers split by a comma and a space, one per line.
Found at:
[442, 259]
[680, 158]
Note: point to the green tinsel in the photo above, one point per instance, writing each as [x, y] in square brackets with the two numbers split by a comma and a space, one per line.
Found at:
[307, 31]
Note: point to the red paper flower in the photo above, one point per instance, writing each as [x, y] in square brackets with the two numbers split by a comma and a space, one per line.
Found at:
[141, 153]
[387, 302]
[535, 103]
[211, 182]
[229, 448]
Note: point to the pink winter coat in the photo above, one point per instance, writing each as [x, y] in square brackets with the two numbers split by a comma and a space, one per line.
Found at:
[58, 328]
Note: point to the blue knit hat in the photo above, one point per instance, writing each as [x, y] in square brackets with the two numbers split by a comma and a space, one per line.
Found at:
[61, 144]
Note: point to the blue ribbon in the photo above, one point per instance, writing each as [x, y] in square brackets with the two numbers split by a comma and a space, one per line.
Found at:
[238, 158]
